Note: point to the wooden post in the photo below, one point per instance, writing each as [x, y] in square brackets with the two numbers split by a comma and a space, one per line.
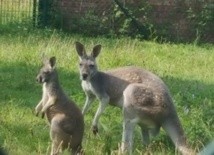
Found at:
[34, 12]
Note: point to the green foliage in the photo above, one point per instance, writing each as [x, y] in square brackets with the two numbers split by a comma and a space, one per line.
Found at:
[123, 21]
[110, 23]
[186, 69]
[16, 27]
[90, 24]
[202, 16]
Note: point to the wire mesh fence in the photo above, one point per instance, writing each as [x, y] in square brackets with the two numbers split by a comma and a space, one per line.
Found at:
[17, 11]
[181, 19]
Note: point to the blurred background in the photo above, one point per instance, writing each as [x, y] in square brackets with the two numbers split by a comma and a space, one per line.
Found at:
[171, 20]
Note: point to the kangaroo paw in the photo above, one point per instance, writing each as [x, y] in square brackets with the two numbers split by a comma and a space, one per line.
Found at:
[43, 115]
[36, 113]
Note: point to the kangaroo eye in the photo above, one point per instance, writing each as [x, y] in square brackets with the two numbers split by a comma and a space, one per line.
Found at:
[80, 64]
[46, 72]
[91, 65]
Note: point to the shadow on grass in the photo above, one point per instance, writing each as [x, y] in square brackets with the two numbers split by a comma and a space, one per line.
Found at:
[25, 137]
[18, 83]
[190, 92]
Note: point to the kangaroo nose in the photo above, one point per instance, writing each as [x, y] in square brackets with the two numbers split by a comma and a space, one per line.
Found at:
[84, 76]
[38, 78]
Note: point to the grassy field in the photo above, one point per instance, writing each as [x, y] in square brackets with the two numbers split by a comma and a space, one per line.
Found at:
[186, 69]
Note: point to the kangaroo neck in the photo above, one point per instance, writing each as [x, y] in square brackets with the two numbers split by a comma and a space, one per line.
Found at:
[96, 76]
[52, 87]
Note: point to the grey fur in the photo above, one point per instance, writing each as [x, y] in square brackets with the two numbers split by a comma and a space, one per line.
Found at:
[142, 95]
[65, 118]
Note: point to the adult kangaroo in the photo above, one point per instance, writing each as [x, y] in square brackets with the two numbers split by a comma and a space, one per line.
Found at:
[142, 95]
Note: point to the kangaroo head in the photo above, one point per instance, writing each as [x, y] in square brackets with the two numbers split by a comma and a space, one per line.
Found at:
[47, 73]
[87, 64]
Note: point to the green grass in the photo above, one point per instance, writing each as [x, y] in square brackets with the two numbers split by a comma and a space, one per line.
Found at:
[186, 69]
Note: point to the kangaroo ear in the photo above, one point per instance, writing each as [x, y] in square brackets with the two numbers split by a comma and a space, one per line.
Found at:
[80, 49]
[96, 51]
[52, 62]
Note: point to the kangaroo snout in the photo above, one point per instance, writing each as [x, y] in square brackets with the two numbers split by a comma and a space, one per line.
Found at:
[84, 76]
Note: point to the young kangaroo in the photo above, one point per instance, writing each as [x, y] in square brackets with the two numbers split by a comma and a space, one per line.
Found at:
[143, 96]
[65, 118]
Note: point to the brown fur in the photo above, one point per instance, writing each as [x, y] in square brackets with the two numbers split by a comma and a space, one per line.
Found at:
[65, 118]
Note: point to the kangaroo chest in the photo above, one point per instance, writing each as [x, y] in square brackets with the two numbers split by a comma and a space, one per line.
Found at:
[87, 87]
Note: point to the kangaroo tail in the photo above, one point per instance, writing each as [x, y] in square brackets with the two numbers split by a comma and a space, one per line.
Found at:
[173, 128]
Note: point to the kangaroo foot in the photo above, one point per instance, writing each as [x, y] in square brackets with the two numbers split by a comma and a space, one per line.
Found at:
[95, 130]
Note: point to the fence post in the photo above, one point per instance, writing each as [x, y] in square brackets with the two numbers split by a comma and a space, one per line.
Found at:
[34, 12]
[1, 13]
[44, 13]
